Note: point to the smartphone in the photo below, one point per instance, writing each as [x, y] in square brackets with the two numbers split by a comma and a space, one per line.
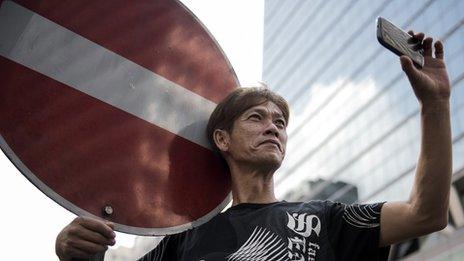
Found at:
[399, 41]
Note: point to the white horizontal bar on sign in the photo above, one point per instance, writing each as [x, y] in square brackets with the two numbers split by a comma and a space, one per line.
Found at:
[50, 49]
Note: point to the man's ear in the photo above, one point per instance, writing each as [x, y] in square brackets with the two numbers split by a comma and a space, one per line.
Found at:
[222, 139]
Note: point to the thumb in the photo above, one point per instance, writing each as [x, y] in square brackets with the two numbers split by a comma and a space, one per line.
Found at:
[110, 224]
[408, 68]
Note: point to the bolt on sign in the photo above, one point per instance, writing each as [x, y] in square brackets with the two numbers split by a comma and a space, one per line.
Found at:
[104, 108]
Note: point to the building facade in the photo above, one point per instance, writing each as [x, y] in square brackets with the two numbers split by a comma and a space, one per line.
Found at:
[355, 120]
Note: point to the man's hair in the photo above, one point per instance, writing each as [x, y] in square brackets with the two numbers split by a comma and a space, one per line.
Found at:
[236, 103]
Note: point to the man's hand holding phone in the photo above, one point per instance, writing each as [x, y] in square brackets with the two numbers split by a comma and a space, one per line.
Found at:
[424, 68]
[430, 83]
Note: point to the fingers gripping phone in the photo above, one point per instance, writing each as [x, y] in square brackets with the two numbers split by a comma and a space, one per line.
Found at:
[399, 42]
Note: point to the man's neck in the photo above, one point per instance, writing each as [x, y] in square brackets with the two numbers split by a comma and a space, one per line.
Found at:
[252, 185]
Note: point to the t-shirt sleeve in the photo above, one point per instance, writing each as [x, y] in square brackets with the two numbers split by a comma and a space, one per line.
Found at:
[354, 231]
[166, 250]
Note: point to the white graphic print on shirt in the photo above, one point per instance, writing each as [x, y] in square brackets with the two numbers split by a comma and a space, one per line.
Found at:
[266, 245]
[362, 216]
[299, 247]
[304, 224]
[303, 243]
[261, 245]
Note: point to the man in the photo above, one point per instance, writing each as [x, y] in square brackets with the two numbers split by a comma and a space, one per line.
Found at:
[249, 130]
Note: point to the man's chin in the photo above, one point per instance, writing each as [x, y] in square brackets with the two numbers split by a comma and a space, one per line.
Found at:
[270, 162]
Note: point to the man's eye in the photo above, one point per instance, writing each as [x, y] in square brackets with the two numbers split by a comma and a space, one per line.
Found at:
[255, 117]
[280, 123]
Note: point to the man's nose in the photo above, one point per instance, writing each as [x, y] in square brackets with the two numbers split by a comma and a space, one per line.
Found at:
[271, 129]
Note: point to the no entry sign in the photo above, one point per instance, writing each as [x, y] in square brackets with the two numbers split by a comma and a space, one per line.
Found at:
[104, 107]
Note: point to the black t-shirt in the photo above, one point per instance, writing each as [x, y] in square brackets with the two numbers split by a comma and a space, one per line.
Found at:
[317, 230]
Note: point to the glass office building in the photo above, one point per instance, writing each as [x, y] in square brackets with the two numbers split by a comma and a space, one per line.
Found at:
[354, 134]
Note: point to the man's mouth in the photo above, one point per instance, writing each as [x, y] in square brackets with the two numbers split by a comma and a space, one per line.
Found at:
[276, 143]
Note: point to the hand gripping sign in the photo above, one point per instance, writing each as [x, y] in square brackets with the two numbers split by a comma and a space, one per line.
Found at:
[104, 106]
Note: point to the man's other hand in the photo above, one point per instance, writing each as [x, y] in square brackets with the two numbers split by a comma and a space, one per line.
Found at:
[83, 238]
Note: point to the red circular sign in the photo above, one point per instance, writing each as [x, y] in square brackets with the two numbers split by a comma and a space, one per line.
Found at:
[104, 108]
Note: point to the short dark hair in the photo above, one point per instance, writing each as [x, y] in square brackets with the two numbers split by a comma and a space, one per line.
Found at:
[236, 103]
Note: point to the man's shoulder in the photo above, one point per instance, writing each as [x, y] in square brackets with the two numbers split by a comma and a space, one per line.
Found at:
[312, 206]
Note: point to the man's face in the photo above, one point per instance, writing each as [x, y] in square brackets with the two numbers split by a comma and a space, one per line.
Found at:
[259, 136]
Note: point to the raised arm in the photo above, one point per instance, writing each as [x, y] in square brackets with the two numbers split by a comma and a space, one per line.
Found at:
[426, 210]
